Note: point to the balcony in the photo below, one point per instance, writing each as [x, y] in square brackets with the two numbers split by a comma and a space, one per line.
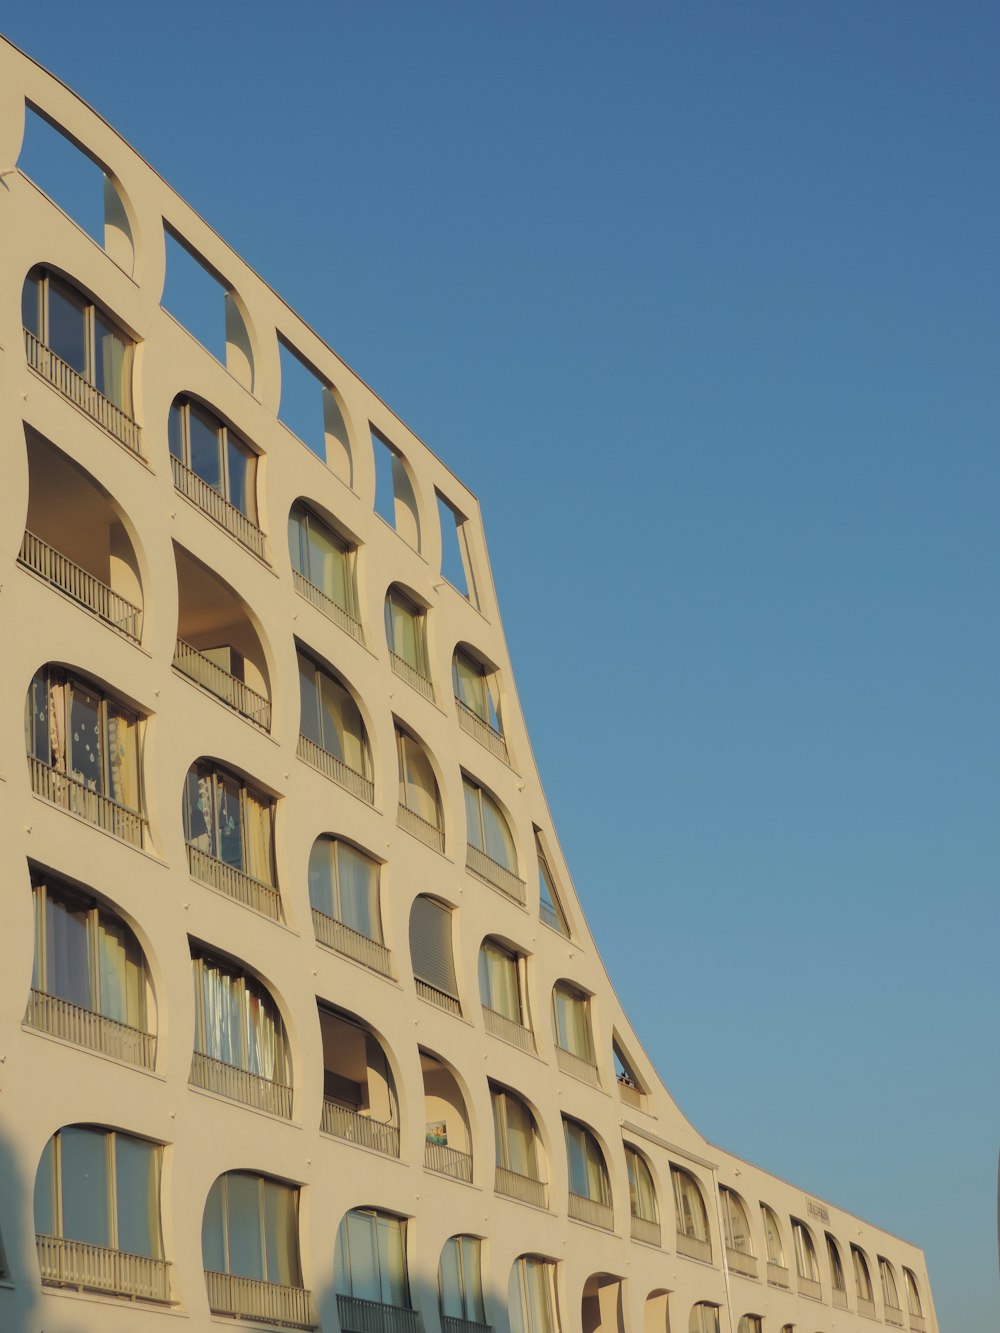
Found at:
[218, 508]
[498, 1025]
[447, 1161]
[738, 1261]
[75, 797]
[222, 684]
[777, 1276]
[451, 1324]
[265, 1302]
[343, 1123]
[73, 1263]
[239, 1085]
[645, 1230]
[234, 883]
[438, 997]
[692, 1247]
[79, 586]
[54, 370]
[414, 678]
[592, 1212]
[576, 1067]
[358, 1316]
[473, 725]
[60, 1018]
[420, 828]
[630, 1094]
[336, 770]
[327, 606]
[810, 1288]
[351, 943]
[494, 874]
[525, 1189]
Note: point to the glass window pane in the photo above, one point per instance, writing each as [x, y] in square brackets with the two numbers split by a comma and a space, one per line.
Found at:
[391, 1234]
[67, 952]
[85, 737]
[473, 819]
[419, 785]
[472, 1277]
[245, 1255]
[110, 362]
[450, 1280]
[137, 1179]
[175, 430]
[123, 757]
[361, 1252]
[327, 564]
[229, 820]
[322, 872]
[45, 1192]
[241, 471]
[358, 882]
[213, 1235]
[281, 1233]
[31, 304]
[499, 845]
[205, 448]
[67, 326]
[83, 1155]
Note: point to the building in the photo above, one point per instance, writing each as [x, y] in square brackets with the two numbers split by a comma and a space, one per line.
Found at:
[301, 1024]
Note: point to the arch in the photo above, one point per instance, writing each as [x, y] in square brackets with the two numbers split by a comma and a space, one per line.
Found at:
[448, 1137]
[324, 564]
[420, 810]
[228, 824]
[693, 1234]
[603, 1306]
[360, 1101]
[590, 1198]
[250, 1249]
[345, 898]
[656, 1312]
[460, 1280]
[215, 467]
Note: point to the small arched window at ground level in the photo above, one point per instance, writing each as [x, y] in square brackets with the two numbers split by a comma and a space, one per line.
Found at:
[750, 1323]
[370, 1263]
[704, 1318]
[531, 1296]
[250, 1250]
[460, 1280]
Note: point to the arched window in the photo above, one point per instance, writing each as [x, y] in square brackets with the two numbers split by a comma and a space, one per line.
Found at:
[491, 854]
[693, 1237]
[332, 736]
[432, 955]
[914, 1307]
[89, 983]
[419, 800]
[739, 1245]
[100, 1188]
[502, 992]
[838, 1283]
[344, 896]
[478, 701]
[806, 1262]
[550, 909]
[215, 470]
[704, 1318]
[641, 1198]
[323, 568]
[572, 1033]
[460, 1280]
[589, 1187]
[777, 1269]
[531, 1296]
[406, 636]
[370, 1265]
[229, 831]
[862, 1281]
[518, 1150]
[890, 1292]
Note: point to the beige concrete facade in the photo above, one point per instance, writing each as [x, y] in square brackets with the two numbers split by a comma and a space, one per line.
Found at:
[95, 484]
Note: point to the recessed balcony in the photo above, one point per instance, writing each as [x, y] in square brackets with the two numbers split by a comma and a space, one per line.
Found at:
[217, 680]
[447, 1161]
[79, 586]
[344, 1123]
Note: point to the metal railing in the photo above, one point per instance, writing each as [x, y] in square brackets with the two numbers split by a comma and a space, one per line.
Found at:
[80, 586]
[481, 731]
[54, 370]
[551, 918]
[193, 664]
[420, 828]
[809, 1287]
[239, 1085]
[694, 1248]
[359, 1316]
[336, 770]
[414, 678]
[839, 1297]
[234, 883]
[499, 1025]
[351, 943]
[439, 997]
[447, 1161]
[918, 1323]
[894, 1315]
[738, 1261]
[73, 1263]
[71, 794]
[451, 1324]
[496, 875]
[866, 1307]
[645, 1230]
[777, 1276]
[630, 1094]
[268, 1302]
[343, 1123]
[217, 507]
[591, 1211]
[585, 1070]
[523, 1188]
[327, 606]
[83, 1027]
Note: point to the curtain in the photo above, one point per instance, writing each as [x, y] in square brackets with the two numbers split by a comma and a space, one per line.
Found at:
[281, 1229]
[309, 718]
[57, 726]
[498, 984]
[83, 1181]
[391, 1240]
[499, 845]
[213, 1229]
[772, 1235]
[229, 822]
[67, 952]
[218, 1034]
[419, 789]
[85, 760]
[739, 1227]
[470, 686]
[473, 818]
[110, 349]
[357, 877]
[450, 1280]
[472, 1278]
[116, 973]
[123, 757]
[357, 1266]
[137, 1172]
[259, 840]
[520, 1137]
[642, 1196]
[322, 872]
[243, 1219]
[328, 565]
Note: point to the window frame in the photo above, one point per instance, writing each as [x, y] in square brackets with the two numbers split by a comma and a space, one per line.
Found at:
[217, 775]
[567, 991]
[375, 897]
[499, 1097]
[469, 784]
[772, 1230]
[376, 1215]
[226, 437]
[42, 280]
[591, 1159]
[806, 1258]
[518, 962]
[532, 1320]
[683, 1181]
[732, 1201]
[635, 1159]
[549, 901]
[403, 739]
[320, 673]
[472, 1312]
[395, 598]
[490, 713]
[301, 514]
[252, 989]
[261, 1181]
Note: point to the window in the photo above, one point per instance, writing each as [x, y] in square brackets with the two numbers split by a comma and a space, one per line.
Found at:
[704, 1318]
[692, 1219]
[588, 1175]
[549, 908]
[736, 1222]
[370, 1262]
[641, 1191]
[100, 1187]
[250, 1229]
[750, 1323]
[890, 1292]
[862, 1277]
[91, 741]
[323, 564]
[772, 1236]
[395, 501]
[500, 982]
[629, 1087]
[531, 1296]
[912, 1295]
[475, 689]
[838, 1283]
[238, 1027]
[359, 1095]
[418, 791]
[431, 952]
[488, 834]
[86, 959]
[405, 633]
[228, 823]
[571, 1021]
[330, 724]
[344, 886]
[203, 444]
[806, 1263]
[456, 560]
[81, 335]
[460, 1280]
[516, 1141]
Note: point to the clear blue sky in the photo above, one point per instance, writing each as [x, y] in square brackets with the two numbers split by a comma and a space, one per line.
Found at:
[703, 300]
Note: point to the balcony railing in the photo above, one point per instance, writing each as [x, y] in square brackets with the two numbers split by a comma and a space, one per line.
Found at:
[839, 1297]
[336, 770]
[234, 883]
[60, 1018]
[496, 875]
[265, 1302]
[80, 586]
[894, 1315]
[585, 1070]
[239, 1085]
[344, 1123]
[451, 1324]
[481, 731]
[414, 678]
[223, 685]
[329, 608]
[351, 943]
[918, 1323]
[551, 918]
[499, 1025]
[777, 1276]
[523, 1188]
[630, 1094]
[80, 392]
[420, 828]
[447, 1161]
[358, 1316]
[71, 794]
[645, 1230]
[591, 1211]
[866, 1307]
[809, 1287]
[694, 1248]
[73, 1263]
[738, 1261]
[439, 997]
[217, 507]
